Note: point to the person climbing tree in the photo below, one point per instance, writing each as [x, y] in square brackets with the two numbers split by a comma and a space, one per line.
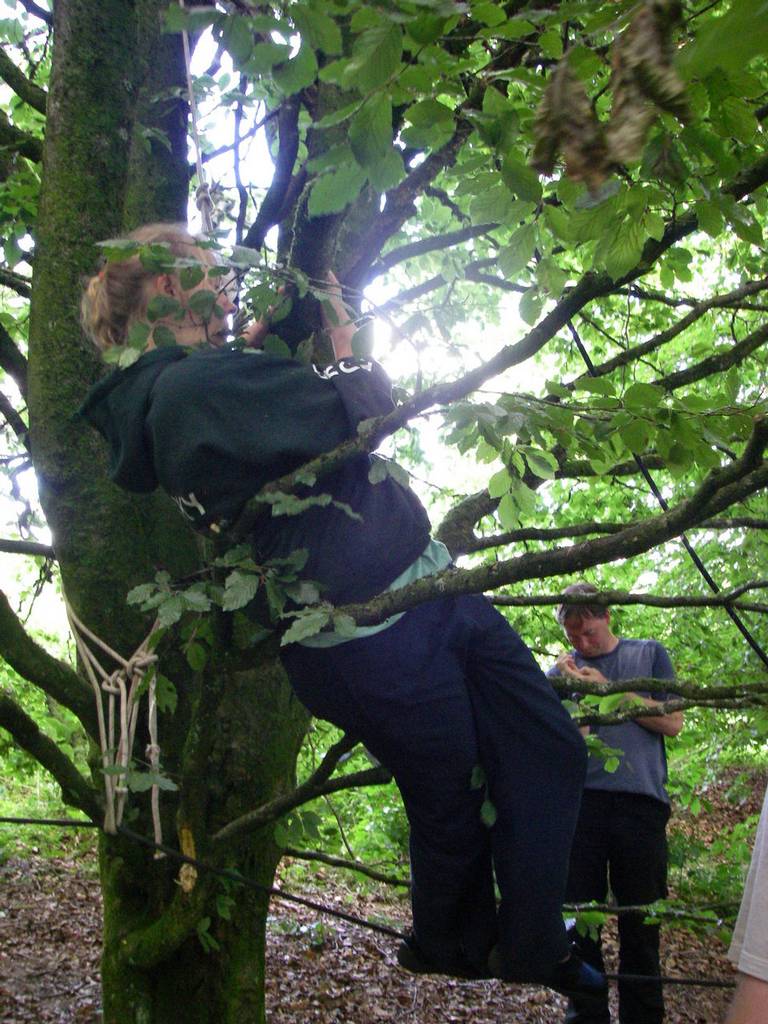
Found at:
[447, 695]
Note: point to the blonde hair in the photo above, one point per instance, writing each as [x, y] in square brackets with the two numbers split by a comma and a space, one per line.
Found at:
[117, 296]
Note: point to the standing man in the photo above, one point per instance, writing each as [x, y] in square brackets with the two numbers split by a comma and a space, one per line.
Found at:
[620, 838]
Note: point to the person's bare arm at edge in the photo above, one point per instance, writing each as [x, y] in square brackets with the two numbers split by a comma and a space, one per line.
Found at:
[342, 332]
[750, 1002]
[668, 725]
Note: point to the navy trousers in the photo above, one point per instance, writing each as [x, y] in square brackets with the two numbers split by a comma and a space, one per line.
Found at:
[621, 839]
[449, 687]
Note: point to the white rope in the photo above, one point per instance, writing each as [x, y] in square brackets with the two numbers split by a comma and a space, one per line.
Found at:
[203, 199]
[121, 689]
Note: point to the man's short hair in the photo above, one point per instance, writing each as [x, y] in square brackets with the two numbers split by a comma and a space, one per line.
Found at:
[581, 610]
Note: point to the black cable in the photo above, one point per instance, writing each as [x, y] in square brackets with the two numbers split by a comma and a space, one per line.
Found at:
[235, 876]
[734, 615]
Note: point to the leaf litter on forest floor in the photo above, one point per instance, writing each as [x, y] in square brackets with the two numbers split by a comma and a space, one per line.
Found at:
[318, 971]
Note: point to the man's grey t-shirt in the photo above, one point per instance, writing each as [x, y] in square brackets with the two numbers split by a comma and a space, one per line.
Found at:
[643, 764]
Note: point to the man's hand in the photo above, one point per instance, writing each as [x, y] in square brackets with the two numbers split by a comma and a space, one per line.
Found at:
[567, 664]
[343, 330]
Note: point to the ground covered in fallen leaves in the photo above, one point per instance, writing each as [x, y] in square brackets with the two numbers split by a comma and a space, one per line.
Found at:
[320, 970]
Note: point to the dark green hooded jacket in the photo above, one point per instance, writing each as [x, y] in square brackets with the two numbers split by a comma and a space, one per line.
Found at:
[212, 427]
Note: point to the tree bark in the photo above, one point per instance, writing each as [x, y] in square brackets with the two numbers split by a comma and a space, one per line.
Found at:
[232, 742]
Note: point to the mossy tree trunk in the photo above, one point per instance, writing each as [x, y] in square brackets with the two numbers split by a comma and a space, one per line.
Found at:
[232, 742]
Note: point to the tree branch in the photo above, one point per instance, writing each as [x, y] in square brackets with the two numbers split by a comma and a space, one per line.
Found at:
[271, 207]
[316, 785]
[348, 865]
[718, 363]
[35, 664]
[20, 284]
[14, 420]
[565, 686]
[21, 85]
[480, 504]
[371, 432]
[699, 309]
[12, 361]
[669, 707]
[39, 12]
[75, 790]
[720, 489]
[399, 206]
[425, 245]
[608, 598]
[26, 547]
[20, 142]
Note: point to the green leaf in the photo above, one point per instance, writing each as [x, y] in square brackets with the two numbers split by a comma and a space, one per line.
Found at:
[297, 73]
[734, 118]
[478, 778]
[555, 388]
[160, 306]
[595, 385]
[170, 611]
[375, 57]
[551, 278]
[654, 225]
[490, 14]
[163, 336]
[138, 335]
[322, 32]
[201, 303]
[542, 464]
[636, 436]
[237, 37]
[531, 304]
[643, 396]
[239, 589]
[491, 206]
[337, 117]
[276, 346]
[559, 222]
[520, 179]
[166, 695]
[426, 28]
[190, 277]
[388, 172]
[729, 42]
[710, 218]
[516, 256]
[508, 512]
[179, 19]
[332, 192]
[551, 44]
[429, 112]
[370, 130]
[500, 483]
[488, 813]
[197, 656]
[306, 624]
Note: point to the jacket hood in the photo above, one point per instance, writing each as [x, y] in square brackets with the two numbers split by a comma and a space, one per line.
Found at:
[117, 407]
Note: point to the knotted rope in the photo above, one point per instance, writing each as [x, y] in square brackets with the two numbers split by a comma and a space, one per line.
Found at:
[121, 692]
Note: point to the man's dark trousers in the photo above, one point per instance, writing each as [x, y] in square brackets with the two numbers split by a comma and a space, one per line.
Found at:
[621, 839]
[448, 688]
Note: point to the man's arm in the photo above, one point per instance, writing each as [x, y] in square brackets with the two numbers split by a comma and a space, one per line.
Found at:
[668, 725]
